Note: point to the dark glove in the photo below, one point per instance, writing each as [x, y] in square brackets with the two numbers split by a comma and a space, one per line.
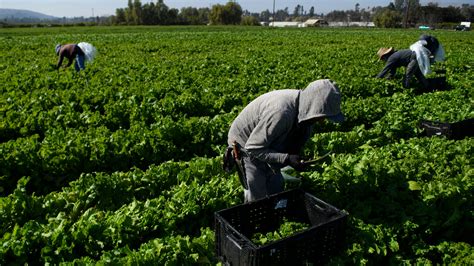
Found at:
[295, 162]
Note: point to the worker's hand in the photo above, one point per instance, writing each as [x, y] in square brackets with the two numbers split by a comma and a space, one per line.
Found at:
[295, 162]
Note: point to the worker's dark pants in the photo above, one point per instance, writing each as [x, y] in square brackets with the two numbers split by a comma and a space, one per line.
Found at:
[414, 70]
[80, 57]
[79, 64]
[262, 180]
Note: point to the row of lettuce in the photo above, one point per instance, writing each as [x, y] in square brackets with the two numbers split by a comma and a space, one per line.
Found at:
[401, 181]
[57, 153]
[406, 210]
[121, 163]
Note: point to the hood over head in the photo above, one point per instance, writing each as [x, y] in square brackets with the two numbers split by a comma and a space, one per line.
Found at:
[321, 98]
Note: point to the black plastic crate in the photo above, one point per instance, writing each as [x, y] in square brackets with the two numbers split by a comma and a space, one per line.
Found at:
[437, 84]
[457, 130]
[235, 226]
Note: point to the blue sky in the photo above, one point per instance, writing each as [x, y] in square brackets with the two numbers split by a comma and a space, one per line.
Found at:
[72, 8]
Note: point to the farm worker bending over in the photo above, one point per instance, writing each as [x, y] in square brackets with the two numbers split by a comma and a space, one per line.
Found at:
[81, 52]
[402, 58]
[271, 131]
[428, 50]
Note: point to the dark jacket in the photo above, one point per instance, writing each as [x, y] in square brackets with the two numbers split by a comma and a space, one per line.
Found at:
[403, 58]
[398, 59]
[432, 43]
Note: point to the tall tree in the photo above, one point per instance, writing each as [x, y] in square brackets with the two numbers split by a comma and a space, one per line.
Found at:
[311, 11]
[282, 14]
[216, 15]
[451, 14]
[336, 15]
[148, 14]
[137, 12]
[467, 12]
[194, 16]
[204, 14]
[399, 5]
[230, 14]
[265, 15]
[386, 18]
[189, 15]
[296, 12]
[120, 16]
[233, 13]
[129, 12]
[430, 14]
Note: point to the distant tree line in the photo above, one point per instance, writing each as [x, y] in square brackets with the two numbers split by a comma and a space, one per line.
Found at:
[159, 14]
[148, 14]
[409, 13]
[398, 13]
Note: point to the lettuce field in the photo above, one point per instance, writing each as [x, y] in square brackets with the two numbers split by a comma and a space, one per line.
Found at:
[121, 163]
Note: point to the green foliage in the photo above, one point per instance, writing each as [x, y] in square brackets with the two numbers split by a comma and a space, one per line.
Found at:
[287, 228]
[228, 14]
[387, 18]
[121, 164]
[250, 21]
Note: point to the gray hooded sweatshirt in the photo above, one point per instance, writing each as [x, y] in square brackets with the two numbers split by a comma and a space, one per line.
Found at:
[266, 125]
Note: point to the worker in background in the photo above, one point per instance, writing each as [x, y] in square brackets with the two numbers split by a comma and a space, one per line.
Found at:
[401, 58]
[428, 51]
[271, 131]
[81, 52]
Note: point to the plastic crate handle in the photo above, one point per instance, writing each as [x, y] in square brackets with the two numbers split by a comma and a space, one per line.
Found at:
[235, 241]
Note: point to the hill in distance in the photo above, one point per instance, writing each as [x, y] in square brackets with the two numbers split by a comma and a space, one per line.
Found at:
[13, 14]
